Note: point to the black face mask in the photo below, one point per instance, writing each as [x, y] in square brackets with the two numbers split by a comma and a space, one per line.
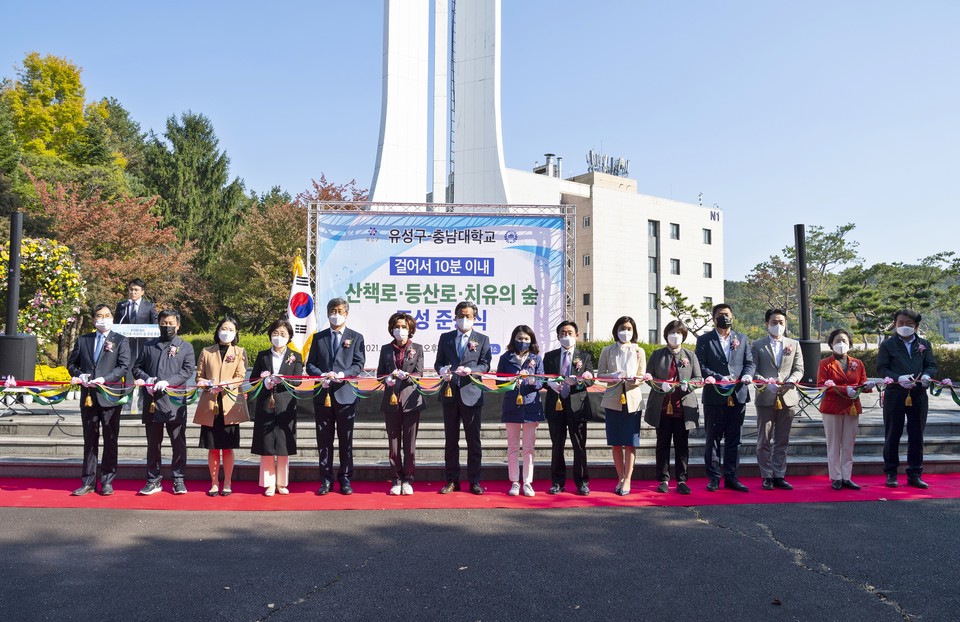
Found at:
[167, 332]
[724, 322]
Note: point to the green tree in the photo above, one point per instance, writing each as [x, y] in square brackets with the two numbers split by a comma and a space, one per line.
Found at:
[10, 158]
[695, 317]
[191, 175]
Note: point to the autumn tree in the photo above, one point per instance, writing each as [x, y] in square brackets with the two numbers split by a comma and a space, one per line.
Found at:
[695, 317]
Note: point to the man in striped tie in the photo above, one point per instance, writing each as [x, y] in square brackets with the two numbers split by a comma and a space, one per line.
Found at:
[99, 359]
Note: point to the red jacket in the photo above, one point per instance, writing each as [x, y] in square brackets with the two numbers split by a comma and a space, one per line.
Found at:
[836, 402]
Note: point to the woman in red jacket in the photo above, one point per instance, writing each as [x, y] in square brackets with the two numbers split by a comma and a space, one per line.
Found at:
[841, 407]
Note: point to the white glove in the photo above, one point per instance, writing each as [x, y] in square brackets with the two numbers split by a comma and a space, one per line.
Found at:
[160, 385]
[215, 389]
[906, 381]
[665, 387]
[571, 380]
[463, 371]
[554, 385]
[925, 381]
[138, 382]
[99, 380]
[448, 377]
[268, 383]
[205, 383]
[75, 380]
[330, 375]
[443, 371]
[325, 384]
[338, 377]
[587, 375]
[390, 381]
[402, 375]
[684, 386]
[531, 381]
[746, 379]
[851, 392]
[869, 385]
[85, 379]
[619, 375]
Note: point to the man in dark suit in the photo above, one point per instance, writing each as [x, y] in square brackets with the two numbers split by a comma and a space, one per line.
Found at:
[724, 355]
[568, 408]
[99, 358]
[336, 353]
[136, 310]
[908, 360]
[167, 361]
[460, 353]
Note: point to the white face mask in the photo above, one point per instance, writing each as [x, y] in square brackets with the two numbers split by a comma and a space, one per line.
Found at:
[776, 329]
[401, 334]
[103, 324]
[674, 339]
[464, 324]
[279, 341]
[841, 347]
[905, 331]
[337, 320]
[226, 336]
[625, 335]
[568, 342]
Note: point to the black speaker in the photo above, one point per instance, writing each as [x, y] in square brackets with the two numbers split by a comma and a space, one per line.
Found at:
[810, 349]
[18, 356]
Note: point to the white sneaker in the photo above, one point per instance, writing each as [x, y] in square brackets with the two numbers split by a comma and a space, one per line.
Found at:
[406, 488]
[514, 489]
[395, 489]
[528, 490]
[283, 490]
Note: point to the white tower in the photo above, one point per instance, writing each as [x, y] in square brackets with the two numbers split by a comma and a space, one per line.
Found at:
[471, 71]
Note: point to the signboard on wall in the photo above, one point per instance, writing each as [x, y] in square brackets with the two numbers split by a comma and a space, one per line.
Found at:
[510, 266]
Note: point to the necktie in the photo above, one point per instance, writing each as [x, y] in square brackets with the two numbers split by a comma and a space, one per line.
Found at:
[461, 344]
[136, 311]
[98, 348]
[564, 371]
[335, 343]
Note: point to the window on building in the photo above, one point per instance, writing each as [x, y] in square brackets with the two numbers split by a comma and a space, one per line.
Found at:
[652, 265]
[653, 336]
[653, 228]
[586, 222]
[654, 301]
[586, 300]
[674, 231]
[586, 260]
[674, 266]
[707, 236]
[707, 270]
[708, 300]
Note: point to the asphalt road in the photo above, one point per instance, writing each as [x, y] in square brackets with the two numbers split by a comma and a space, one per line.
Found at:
[845, 561]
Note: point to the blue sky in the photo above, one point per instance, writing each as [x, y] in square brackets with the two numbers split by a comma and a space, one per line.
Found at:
[815, 112]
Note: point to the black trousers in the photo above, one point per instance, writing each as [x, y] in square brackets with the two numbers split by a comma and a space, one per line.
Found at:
[895, 411]
[722, 423]
[456, 412]
[93, 420]
[337, 418]
[672, 428]
[402, 427]
[176, 430]
[560, 425]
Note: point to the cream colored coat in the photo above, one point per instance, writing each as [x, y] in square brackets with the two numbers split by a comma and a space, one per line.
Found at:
[608, 366]
[233, 367]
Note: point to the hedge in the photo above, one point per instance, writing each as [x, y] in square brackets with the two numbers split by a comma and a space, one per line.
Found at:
[948, 361]
[251, 343]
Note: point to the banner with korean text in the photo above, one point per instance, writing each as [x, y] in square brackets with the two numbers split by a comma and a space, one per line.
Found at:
[511, 267]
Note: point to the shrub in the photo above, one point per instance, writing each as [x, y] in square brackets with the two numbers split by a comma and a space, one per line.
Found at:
[948, 361]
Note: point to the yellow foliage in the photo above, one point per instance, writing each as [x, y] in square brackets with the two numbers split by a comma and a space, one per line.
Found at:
[45, 373]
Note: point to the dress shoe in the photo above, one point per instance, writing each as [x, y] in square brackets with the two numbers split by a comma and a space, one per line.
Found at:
[106, 490]
[916, 482]
[283, 490]
[476, 489]
[449, 487]
[782, 484]
[556, 489]
[683, 489]
[663, 487]
[767, 483]
[214, 491]
[734, 484]
[836, 484]
[584, 490]
[179, 488]
[324, 489]
[892, 480]
[346, 488]
[85, 489]
[848, 484]
[151, 488]
[619, 487]
[226, 492]
[713, 485]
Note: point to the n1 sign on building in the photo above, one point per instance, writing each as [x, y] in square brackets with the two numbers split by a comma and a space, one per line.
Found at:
[423, 264]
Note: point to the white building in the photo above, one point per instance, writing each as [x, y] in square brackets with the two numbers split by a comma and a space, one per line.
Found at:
[629, 246]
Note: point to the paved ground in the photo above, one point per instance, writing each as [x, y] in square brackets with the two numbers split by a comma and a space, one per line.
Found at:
[847, 561]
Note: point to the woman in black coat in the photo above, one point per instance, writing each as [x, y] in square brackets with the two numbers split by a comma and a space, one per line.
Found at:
[402, 402]
[275, 419]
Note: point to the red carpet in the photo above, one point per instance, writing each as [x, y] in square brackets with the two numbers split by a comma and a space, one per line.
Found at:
[55, 493]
